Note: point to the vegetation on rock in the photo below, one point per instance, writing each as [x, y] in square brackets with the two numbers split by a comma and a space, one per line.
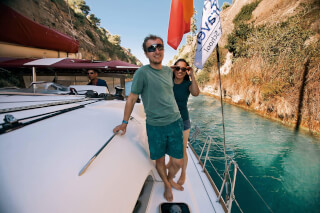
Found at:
[275, 65]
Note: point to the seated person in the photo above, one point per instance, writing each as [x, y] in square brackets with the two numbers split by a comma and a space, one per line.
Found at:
[94, 80]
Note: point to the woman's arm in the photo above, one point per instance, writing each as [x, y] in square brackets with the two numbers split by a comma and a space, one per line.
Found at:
[194, 89]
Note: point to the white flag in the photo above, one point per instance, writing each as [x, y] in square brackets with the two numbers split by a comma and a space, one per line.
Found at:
[210, 32]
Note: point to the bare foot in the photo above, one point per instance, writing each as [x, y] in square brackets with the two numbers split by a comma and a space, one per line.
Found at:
[182, 179]
[176, 186]
[168, 193]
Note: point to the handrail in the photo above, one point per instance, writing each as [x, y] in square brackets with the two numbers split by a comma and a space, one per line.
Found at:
[11, 123]
[230, 197]
[16, 109]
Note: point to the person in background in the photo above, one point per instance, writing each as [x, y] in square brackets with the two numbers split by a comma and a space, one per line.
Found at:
[94, 80]
[163, 121]
[182, 89]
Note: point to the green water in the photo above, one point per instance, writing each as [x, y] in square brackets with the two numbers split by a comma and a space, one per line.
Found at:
[284, 166]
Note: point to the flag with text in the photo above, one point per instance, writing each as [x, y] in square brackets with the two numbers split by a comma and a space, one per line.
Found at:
[209, 34]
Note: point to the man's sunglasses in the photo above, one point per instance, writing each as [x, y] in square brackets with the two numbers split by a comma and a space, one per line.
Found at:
[90, 73]
[183, 69]
[153, 47]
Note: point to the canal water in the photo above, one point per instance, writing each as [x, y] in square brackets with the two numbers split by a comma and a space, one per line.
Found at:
[282, 165]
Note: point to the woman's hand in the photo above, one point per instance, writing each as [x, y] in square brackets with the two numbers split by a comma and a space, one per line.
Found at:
[190, 72]
[173, 67]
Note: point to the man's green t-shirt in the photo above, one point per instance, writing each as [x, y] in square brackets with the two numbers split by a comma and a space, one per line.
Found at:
[156, 89]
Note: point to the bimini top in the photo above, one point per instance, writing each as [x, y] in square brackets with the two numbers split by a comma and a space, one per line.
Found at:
[68, 65]
[19, 29]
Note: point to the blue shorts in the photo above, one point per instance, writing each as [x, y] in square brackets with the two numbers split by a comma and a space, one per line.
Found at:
[186, 125]
[166, 140]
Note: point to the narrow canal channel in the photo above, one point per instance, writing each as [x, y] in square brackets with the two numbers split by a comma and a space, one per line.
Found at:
[283, 166]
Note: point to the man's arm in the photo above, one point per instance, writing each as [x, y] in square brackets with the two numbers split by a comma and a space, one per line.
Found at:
[132, 98]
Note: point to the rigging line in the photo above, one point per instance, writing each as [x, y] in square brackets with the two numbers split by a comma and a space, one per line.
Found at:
[255, 190]
[12, 102]
[226, 175]
[230, 158]
[83, 170]
[201, 179]
[34, 116]
[215, 143]
[16, 125]
[221, 101]
[235, 200]
[238, 205]
[16, 109]
[215, 170]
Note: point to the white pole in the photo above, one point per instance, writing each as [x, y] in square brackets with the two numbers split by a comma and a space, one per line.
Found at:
[34, 78]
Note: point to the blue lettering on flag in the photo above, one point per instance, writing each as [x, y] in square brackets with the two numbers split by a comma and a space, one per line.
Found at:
[210, 32]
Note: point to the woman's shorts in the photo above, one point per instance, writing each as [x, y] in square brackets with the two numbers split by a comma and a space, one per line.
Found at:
[186, 125]
[166, 140]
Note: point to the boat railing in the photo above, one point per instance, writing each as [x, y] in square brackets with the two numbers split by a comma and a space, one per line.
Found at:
[228, 181]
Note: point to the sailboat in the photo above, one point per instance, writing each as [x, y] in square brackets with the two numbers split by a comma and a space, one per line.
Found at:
[46, 140]
[57, 149]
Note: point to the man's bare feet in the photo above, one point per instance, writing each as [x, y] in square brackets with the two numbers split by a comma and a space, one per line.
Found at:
[168, 193]
[168, 165]
[176, 186]
[182, 179]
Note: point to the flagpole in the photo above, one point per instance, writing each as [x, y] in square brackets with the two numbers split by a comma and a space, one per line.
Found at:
[224, 132]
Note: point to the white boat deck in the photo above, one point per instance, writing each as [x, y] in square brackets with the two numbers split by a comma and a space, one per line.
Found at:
[39, 163]
[198, 193]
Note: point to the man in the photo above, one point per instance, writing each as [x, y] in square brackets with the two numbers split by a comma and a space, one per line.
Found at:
[163, 120]
[94, 80]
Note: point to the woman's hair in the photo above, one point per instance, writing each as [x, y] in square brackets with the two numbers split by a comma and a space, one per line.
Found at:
[186, 77]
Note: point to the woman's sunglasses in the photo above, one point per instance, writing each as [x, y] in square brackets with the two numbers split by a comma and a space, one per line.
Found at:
[153, 47]
[183, 69]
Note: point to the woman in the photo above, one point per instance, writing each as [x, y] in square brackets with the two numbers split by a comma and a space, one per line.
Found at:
[182, 89]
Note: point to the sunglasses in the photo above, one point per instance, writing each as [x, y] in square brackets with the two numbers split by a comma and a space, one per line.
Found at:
[183, 69]
[153, 47]
[90, 73]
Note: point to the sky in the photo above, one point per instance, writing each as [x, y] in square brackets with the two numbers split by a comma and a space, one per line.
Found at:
[133, 20]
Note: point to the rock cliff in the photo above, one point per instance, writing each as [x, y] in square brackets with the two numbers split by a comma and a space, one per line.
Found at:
[58, 15]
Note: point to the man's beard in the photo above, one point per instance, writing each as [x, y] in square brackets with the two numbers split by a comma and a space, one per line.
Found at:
[156, 61]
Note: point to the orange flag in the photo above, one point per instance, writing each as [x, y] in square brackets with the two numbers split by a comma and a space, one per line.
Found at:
[179, 23]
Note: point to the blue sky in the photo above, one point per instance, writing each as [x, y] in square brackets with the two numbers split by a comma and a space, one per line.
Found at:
[134, 20]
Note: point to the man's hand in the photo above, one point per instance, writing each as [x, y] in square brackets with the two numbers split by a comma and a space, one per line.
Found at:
[121, 128]
[132, 99]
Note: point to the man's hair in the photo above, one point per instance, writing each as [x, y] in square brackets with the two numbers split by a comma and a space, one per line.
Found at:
[95, 71]
[150, 37]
